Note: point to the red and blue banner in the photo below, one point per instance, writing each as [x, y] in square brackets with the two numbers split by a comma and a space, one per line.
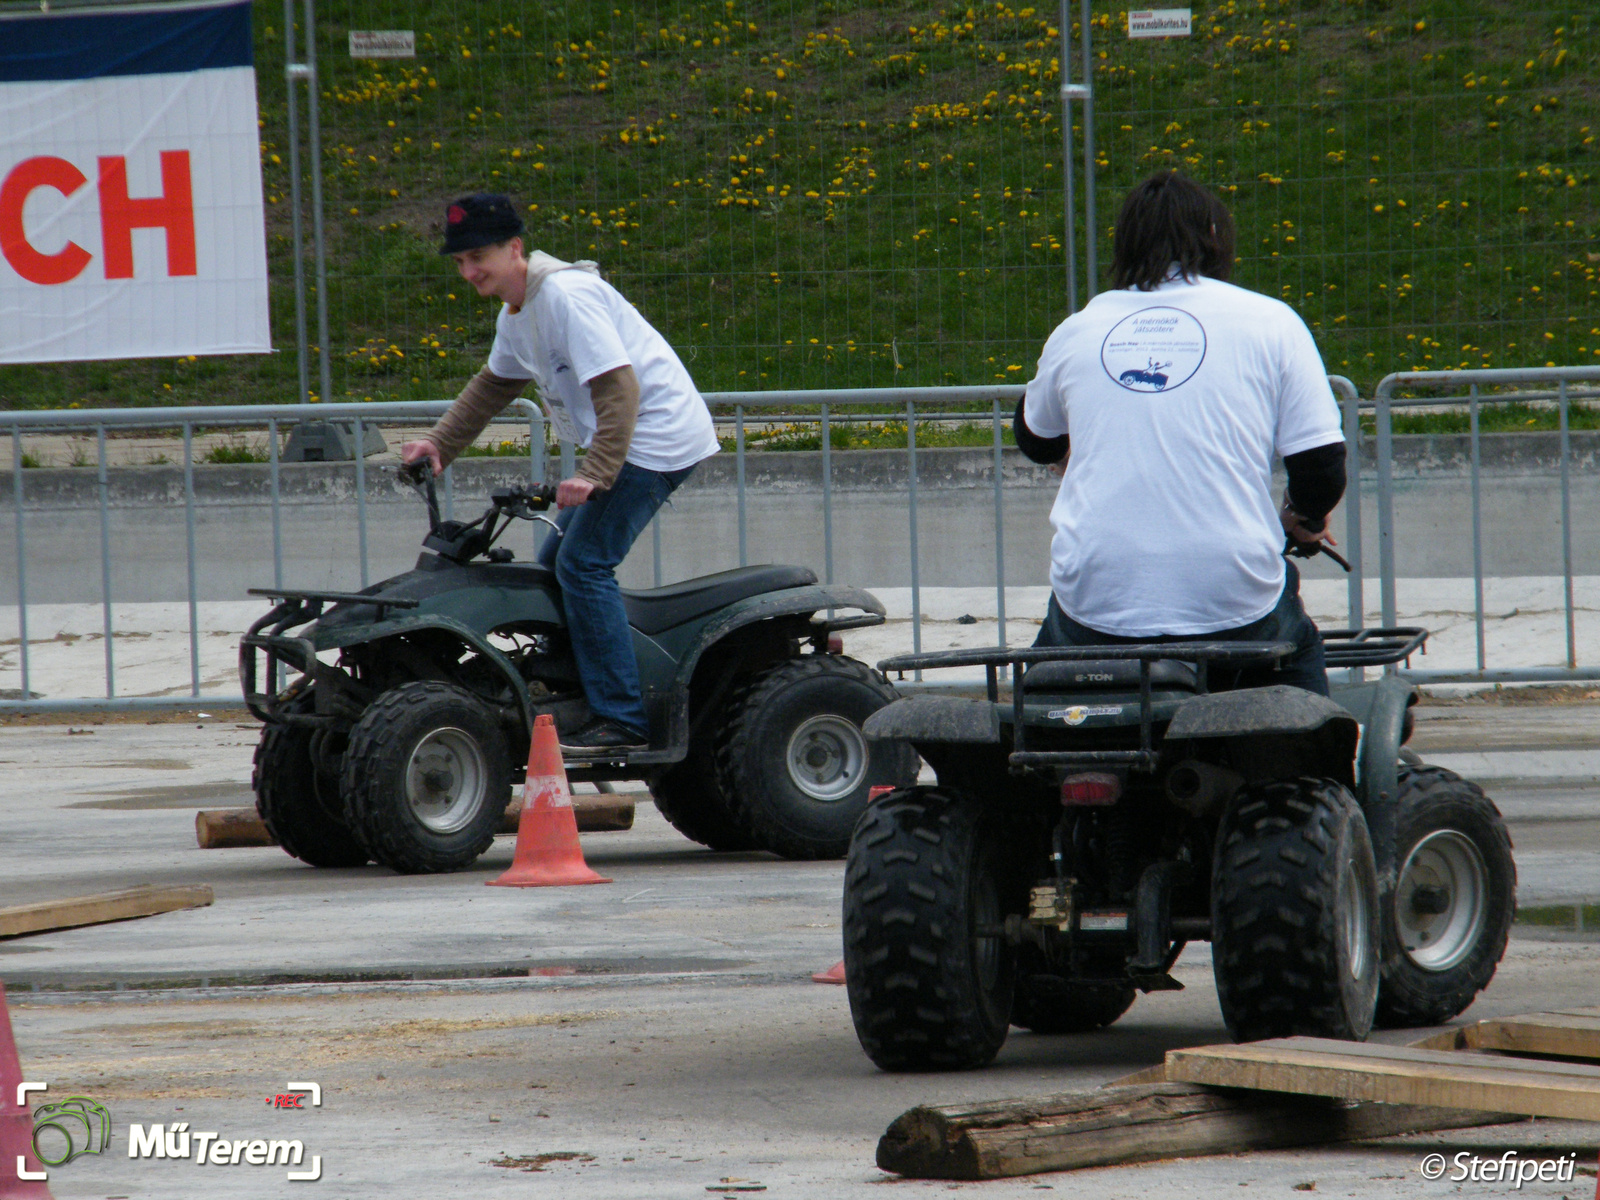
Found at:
[131, 221]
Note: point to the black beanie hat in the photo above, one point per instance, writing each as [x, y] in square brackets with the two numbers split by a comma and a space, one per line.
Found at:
[480, 219]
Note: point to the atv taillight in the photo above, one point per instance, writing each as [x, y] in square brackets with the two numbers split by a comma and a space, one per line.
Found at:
[1091, 787]
[835, 644]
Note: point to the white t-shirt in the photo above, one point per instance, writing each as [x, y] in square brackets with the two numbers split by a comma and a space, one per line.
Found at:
[1176, 401]
[578, 327]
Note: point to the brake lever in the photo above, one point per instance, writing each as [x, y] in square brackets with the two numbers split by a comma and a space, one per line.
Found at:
[1299, 549]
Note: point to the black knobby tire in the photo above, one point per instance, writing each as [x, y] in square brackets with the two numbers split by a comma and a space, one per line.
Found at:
[690, 796]
[300, 806]
[426, 778]
[1048, 1006]
[927, 870]
[1294, 913]
[1450, 840]
[793, 762]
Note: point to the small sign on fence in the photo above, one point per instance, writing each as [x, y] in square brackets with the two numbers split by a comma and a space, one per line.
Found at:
[383, 43]
[1155, 23]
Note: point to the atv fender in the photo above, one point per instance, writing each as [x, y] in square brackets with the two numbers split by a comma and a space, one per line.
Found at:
[925, 719]
[1383, 708]
[382, 631]
[1275, 732]
[790, 602]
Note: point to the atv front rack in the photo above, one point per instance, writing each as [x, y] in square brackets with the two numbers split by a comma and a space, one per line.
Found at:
[267, 635]
[1201, 654]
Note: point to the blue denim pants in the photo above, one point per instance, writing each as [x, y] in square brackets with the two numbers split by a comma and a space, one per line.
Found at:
[596, 536]
[1287, 622]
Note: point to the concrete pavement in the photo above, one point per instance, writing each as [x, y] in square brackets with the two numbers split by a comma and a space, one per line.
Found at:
[650, 1038]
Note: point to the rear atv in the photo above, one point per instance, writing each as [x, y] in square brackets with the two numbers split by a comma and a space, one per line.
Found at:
[398, 718]
[1114, 810]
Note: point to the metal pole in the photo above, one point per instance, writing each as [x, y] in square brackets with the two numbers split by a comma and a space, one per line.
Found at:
[999, 529]
[1355, 583]
[450, 492]
[277, 532]
[188, 522]
[277, 514]
[1069, 93]
[325, 366]
[655, 545]
[916, 583]
[22, 556]
[1090, 231]
[293, 72]
[1566, 526]
[1477, 526]
[738, 455]
[827, 498]
[1385, 507]
[361, 496]
[105, 562]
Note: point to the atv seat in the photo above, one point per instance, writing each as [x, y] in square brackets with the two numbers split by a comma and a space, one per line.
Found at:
[1109, 675]
[656, 609]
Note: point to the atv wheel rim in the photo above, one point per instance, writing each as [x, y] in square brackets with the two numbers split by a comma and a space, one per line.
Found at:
[1355, 919]
[827, 758]
[1442, 901]
[445, 780]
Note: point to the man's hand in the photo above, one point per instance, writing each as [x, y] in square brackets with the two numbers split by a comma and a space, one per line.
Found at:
[1294, 525]
[572, 492]
[411, 452]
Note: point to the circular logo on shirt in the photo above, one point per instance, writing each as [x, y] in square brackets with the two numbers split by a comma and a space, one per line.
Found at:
[1154, 350]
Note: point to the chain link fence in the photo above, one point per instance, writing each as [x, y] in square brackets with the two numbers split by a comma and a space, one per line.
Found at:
[832, 194]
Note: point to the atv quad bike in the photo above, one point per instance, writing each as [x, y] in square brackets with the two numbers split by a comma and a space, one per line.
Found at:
[1115, 809]
[408, 708]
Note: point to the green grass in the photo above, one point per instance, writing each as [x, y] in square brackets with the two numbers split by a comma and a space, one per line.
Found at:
[237, 450]
[837, 194]
[1513, 417]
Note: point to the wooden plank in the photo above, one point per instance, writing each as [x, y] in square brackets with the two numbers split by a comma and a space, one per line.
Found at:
[600, 813]
[144, 901]
[1138, 1123]
[1566, 1035]
[228, 828]
[1396, 1075]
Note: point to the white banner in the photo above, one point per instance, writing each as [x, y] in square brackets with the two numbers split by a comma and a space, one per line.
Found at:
[1159, 23]
[131, 221]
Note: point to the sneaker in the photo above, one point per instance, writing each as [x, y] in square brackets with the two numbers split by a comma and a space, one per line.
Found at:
[600, 735]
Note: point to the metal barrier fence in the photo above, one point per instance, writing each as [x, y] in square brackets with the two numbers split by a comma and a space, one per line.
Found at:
[914, 405]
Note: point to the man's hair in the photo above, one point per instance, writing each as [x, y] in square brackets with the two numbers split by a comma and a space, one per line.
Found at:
[1170, 220]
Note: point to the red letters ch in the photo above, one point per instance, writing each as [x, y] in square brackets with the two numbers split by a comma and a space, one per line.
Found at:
[68, 262]
[172, 211]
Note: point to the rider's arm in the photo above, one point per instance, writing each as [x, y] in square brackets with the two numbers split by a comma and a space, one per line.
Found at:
[1316, 484]
[615, 396]
[484, 396]
[1039, 449]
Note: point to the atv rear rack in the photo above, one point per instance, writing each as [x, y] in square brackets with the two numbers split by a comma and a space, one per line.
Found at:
[1201, 654]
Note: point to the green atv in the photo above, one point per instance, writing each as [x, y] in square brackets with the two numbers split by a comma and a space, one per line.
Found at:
[398, 718]
[1115, 809]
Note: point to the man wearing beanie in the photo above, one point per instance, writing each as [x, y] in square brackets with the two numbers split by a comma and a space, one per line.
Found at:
[608, 382]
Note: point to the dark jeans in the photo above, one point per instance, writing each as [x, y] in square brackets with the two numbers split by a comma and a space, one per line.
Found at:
[596, 537]
[1287, 622]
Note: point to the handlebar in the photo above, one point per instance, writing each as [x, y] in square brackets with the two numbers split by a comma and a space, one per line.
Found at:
[464, 541]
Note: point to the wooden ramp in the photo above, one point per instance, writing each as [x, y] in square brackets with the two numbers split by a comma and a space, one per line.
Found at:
[1572, 1033]
[144, 901]
[1467, 1079]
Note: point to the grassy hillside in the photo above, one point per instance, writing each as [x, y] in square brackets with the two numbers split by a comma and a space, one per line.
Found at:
[861, 193]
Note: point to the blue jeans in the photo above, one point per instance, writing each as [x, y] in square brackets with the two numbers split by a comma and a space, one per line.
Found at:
[596, 536]
[1305, 668]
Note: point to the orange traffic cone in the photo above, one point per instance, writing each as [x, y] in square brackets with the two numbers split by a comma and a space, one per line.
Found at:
[21, 1172]
[548, 854]
[834, 974]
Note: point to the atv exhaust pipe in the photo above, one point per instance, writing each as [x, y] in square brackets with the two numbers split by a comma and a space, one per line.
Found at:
[1198, 788]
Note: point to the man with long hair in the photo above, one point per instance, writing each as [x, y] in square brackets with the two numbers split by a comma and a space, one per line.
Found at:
[1164, 402]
